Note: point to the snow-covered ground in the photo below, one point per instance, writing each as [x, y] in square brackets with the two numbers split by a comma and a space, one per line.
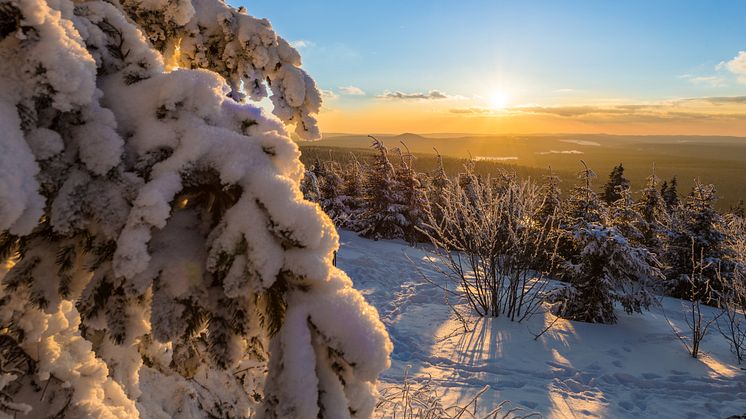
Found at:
[636, 368]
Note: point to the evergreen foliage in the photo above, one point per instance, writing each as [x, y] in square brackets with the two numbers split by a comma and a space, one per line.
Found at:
[603, 266]
[411, 191]
[616, 185]
[654, 218]
[384, 214]
[698, 240]
[333, 202]
[670, 194]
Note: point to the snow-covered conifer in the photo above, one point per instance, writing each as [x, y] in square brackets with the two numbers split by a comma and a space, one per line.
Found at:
[625, 217]
[412, 196]
[353, 193]
[698, 238]
[551, 199]
[309, 186]
[438, 191]
[670, 193]
[332, 201]
[604, 267]
[654, 218]
[152, 228]
[583, 203]
[383, 215]
[615, 186]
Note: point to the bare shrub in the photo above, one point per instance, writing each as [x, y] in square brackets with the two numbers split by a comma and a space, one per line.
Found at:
[700, 284]
[486, 241]
[420, 398]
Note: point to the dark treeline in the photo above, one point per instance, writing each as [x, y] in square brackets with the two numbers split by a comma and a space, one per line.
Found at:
[609, 244]
[425, 163]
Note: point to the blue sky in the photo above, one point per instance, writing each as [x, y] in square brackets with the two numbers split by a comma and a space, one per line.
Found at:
[532, 52]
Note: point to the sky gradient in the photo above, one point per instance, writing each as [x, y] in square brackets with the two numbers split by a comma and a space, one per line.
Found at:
[636, 67]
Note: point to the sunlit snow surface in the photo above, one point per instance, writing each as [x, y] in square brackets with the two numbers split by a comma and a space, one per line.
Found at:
[636, 368]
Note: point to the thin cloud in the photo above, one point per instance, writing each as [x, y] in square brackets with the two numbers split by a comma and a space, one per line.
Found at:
[302, 43]
[328, 94]
[477, 110]
[707, 116]
[577, 111]
[431, 95]
[719, 100]
[689, 109]
[351, 91]
[713, 81]
[736, 66]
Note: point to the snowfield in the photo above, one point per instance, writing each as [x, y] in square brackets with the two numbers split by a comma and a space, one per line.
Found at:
[636, 368]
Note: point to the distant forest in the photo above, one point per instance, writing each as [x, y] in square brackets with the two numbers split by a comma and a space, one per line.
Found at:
[453, 166]
[715, 160]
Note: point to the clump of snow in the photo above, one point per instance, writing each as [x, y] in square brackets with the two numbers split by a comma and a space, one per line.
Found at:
[21, 205]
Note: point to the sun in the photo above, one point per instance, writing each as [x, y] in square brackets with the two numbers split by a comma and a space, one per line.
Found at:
[499, 100]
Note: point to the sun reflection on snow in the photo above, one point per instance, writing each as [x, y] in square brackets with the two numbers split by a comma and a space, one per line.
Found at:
[717, 368]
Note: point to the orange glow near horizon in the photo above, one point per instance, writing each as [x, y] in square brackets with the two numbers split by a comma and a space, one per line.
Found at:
[425, 118]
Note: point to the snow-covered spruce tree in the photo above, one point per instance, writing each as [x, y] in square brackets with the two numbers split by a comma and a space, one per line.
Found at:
[605, 267]
[470, 183]
[332, 201]
[670, 194]
[624, 216]
[383, 215]
[157, 256]
[438, 191]
[551, 199]
[698, 237]
[412, 196]
[309, 187]
[615, 186]
[654, 218]
[318, 169]
[353, 192]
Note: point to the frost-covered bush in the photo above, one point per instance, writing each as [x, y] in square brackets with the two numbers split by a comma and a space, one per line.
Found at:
[157, 256]
[485, 242]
